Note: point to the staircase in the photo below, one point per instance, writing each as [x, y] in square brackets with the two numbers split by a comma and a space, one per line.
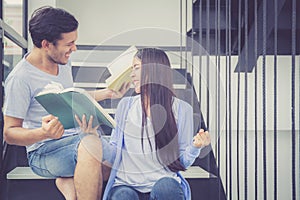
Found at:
[22, 183]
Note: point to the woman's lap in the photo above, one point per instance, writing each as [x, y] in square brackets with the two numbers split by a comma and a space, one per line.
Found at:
[165, 188]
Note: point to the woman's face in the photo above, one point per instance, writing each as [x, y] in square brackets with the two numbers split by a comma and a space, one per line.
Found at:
[136, 74]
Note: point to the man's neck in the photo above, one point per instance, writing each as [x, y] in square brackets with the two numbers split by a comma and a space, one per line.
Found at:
[39, 60]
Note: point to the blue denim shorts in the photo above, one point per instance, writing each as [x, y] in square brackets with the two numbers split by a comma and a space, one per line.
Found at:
[58, 158]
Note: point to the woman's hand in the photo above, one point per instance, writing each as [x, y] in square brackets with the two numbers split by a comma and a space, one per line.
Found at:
[87, 127]
[202, 139]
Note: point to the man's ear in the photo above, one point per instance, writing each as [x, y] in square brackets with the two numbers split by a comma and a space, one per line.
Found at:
[45, 44]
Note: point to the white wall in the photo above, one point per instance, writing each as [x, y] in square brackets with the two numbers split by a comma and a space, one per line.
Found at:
[110, 20]
[133, 22]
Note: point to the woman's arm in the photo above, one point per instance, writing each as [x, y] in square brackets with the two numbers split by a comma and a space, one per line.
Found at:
[188, 151]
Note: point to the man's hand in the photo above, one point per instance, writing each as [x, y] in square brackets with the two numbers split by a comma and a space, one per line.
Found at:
[202, 139]
[118, 94]
[52, 127]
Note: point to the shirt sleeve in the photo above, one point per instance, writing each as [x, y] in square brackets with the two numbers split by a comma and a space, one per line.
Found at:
[116, 134]
[17, 98]
[188, 153]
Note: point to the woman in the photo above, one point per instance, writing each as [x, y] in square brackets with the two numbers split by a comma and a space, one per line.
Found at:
[153, 139]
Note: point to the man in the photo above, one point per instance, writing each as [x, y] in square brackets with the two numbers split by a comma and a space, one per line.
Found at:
[71, 157]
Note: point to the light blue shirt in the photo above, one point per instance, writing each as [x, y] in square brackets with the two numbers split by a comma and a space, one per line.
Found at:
[21, 86]
[188, 153]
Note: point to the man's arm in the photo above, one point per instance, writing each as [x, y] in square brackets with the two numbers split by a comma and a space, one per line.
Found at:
[108, 93]
[101, 94]
[15, 134]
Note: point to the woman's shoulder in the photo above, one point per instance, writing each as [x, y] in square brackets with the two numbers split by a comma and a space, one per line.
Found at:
[183, 104]
[126, 100]
[181, 109]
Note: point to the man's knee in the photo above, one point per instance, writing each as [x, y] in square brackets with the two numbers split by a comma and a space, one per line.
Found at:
[90, 147]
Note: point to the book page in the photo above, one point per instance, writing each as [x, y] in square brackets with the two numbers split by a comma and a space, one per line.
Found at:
[121, 64]
[74, 89]
[53, 87]
[124, 78]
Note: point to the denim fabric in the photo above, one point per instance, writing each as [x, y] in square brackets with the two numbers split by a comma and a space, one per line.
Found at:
[123, 192]
[167, 188]
[163, 189]
[106, 150]
[58, 158]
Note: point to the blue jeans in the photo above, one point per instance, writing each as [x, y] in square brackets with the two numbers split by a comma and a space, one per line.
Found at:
[163, 189]
[58, 158]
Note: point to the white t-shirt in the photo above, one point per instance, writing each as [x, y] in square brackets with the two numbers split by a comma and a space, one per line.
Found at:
[139, 169]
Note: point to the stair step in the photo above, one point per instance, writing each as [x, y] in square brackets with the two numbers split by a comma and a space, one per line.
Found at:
[25, 173]
[196, 172]
[91, 85]
[90, 74]
[94, 76]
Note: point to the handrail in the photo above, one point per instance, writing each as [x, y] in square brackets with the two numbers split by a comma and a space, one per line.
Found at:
[13, 35]
[6, 31]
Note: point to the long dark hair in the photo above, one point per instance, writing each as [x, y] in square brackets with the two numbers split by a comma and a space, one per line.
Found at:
[48, 23]
[157, 90]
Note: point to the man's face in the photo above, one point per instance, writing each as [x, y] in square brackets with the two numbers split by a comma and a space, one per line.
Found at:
[60, 51]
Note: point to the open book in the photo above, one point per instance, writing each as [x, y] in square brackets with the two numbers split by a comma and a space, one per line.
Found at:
[66, 103]
[120, 69]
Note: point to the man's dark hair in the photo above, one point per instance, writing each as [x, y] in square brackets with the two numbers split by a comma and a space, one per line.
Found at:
[48, 23]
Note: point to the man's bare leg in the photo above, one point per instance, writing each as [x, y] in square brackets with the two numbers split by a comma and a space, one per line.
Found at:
[88, 171]
[66, 187]
[106, 168]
